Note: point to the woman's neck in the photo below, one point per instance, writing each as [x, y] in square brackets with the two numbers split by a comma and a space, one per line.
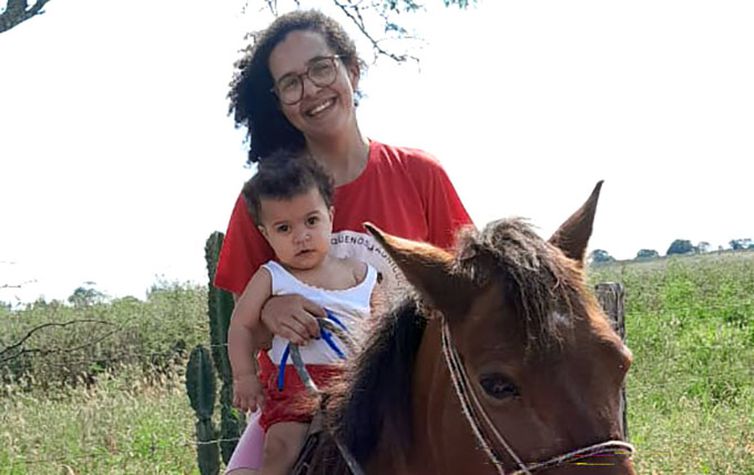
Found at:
[344, 157]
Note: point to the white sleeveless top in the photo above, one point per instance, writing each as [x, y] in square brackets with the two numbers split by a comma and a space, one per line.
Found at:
[350, 306]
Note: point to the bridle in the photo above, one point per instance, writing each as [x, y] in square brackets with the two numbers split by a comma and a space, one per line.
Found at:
[473, 410]
[487, 434]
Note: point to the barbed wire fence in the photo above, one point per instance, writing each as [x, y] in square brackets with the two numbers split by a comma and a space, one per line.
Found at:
[124, 326]
[186, 443]
[19, 349]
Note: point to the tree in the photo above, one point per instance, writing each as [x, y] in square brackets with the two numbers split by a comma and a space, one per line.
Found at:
[369, 17]
[681, 246]
[599, 256]
[741, 244]
[375, 19]
[646, 254]
[702, 247]
[86, 296]
[18, 11]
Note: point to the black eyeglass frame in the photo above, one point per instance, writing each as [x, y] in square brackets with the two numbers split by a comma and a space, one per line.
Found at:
[300, 76]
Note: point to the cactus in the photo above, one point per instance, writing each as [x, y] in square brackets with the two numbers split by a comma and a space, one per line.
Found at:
[232, 423]
[201, 379]
[220, 307]
[200, 386]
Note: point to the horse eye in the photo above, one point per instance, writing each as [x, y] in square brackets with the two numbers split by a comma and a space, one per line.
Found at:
[498, 386]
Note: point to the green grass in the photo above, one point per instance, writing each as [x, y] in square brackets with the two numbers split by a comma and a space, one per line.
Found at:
[689, 321]
[126, 425]
[690, 325]
[116, 403]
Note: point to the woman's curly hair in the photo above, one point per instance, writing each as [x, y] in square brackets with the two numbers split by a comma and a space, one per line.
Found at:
[252, 103]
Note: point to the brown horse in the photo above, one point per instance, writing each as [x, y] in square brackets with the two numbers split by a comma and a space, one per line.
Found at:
[503, 362]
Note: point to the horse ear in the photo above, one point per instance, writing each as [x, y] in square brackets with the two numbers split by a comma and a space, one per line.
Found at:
[573, 236]
[429, 269]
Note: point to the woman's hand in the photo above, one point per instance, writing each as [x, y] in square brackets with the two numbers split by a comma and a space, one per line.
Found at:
[248, 393]
[292, 317]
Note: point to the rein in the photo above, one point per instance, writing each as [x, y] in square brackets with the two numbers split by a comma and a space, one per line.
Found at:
[476, 416]
[329, 325]
[479, 420]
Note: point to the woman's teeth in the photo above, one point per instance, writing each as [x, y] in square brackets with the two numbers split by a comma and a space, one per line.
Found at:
[321, 107]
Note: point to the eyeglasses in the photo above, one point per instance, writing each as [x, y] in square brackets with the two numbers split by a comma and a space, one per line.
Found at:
[320, 71]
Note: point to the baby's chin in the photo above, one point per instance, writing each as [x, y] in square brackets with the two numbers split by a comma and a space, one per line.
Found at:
[306, 260]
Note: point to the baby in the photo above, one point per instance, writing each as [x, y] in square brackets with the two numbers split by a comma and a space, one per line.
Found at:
[290, 200]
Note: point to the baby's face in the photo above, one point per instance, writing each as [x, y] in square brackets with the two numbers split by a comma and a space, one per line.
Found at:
[298, 229]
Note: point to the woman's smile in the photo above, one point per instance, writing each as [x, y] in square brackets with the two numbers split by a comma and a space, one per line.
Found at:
[322, 106]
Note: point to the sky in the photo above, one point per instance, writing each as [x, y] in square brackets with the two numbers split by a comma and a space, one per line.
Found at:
[118, 158]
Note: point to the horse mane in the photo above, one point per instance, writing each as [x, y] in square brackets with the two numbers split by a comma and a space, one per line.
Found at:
[374, 395]
[541, 283]
[373, 398]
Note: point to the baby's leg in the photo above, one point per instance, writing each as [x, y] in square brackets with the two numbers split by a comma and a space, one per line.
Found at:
[282, 444]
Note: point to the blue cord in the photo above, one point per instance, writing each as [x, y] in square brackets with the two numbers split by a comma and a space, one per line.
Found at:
[331, 316]
[281, 370]
[325, 335]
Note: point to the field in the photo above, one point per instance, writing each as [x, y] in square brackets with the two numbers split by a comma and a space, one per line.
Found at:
[116, 403]
[105, 394]
[690, 325]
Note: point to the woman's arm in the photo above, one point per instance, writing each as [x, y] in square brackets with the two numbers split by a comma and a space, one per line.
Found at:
[292, 317]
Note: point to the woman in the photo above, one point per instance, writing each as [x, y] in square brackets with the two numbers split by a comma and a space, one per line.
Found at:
[295, 88]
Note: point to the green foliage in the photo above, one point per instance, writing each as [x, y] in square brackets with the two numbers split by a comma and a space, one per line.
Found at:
[383, 23]
[690, 326]
[600, 256]
[75, 345]
[459, 3]
[681, 246]
[130, 425]
[741, 244]
[645, 254]
[403, 6]
[400, 6]
[86, 296]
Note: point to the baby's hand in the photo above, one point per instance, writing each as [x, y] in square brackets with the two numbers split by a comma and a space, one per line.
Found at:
[248, 393]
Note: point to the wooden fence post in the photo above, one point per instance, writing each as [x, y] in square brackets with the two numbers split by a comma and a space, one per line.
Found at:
[610, 296]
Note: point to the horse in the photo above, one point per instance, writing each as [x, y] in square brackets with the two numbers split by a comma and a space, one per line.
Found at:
[501, 361]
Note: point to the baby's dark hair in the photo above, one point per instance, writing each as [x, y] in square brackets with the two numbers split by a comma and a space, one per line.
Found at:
[252, 103]
[284, 175]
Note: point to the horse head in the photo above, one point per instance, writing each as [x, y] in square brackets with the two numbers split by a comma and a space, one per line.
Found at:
[531, 357]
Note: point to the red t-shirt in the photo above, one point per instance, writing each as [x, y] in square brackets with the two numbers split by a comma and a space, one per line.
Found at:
[403, 191]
